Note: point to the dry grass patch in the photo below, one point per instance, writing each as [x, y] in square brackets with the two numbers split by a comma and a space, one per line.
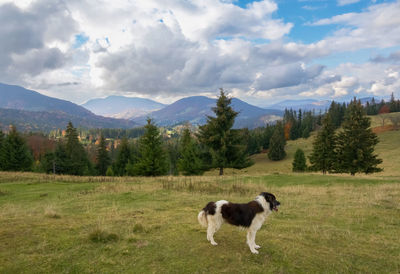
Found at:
[50, 212]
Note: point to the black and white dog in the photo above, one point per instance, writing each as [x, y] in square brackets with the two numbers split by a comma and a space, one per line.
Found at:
[251, 216]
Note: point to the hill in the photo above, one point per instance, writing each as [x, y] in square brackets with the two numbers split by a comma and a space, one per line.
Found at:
[196, 108]
[387, 149]
[29, 110]
[45, 121]
[16, 97]
[122, 107]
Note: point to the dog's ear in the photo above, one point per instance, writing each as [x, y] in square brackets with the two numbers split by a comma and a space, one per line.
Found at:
[268, 196]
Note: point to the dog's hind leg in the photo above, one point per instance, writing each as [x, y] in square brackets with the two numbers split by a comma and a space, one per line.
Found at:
[213, 226]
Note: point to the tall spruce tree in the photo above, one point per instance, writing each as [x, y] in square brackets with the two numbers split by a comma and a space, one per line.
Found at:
[356, 142]
[1, 149]
[153, 158]
[103, 158]
[323, 156]
[224, 142]
[189, 163]
[123, 158]
[277, 143]
[16, 154]
[299, 163]
[77, 160]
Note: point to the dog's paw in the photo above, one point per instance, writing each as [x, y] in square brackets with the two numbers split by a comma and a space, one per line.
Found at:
[214, 243]
[254, 251]
[257, 246]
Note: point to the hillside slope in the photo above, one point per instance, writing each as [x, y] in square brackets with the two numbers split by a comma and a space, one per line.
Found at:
[29, 110]
[45, 121]
[16, 97]
[387, 149]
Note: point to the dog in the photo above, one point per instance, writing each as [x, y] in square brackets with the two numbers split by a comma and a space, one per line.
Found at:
[251, 216]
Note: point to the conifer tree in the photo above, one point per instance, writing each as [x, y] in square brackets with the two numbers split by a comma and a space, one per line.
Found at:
[277, 144]
[16, 155]
[153, 158]
[323, 156]
[299, 162]
[123, 158]
[1, 149]
[103, 158]
[189, 162]
[223, 141]
[356, 142]
[77, 162]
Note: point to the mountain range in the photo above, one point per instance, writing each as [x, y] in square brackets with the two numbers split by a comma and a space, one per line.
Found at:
[29, 110]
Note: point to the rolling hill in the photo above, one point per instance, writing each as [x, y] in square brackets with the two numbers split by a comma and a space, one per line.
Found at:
[196, 108]
[122, 107]
[29, 110]
[16, 97]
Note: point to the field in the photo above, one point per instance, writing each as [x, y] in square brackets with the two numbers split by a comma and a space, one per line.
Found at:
[139, 225]
[332, 223]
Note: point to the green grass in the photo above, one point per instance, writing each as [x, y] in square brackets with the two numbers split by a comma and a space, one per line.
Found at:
[331, 223]
[147, 225]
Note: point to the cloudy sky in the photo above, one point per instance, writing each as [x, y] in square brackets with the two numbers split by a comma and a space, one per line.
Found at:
[261, 51]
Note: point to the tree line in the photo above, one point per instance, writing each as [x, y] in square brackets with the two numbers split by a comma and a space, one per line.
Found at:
[215, 145]
[348, 150]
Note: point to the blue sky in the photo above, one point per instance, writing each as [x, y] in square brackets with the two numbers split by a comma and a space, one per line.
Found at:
[262, 51]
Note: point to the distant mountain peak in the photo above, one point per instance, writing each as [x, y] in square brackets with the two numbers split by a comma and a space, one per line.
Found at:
[195, 109]
[122, 106]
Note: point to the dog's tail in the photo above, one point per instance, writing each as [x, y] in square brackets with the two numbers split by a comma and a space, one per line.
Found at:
[202, 217]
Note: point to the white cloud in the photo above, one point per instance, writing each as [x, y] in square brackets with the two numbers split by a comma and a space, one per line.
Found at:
[346, 2]
[173, 48]
[378, 26]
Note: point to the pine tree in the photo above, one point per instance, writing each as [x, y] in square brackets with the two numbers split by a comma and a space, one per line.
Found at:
[323, 156]
[153, 159]
[356, 142]
[189, 162]
[223, 141]
[16, 155]
[1, 149]
[103, 158]
[77, 162]
[277, 144]
[299, 162]
[392, 103]
[123, 158]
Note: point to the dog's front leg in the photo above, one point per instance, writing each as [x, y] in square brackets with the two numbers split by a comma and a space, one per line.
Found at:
[251, 236]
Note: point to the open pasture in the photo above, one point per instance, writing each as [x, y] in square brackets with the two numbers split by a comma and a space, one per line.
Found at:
[66, 224]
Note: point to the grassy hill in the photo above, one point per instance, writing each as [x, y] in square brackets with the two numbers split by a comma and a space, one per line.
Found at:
[388, 150]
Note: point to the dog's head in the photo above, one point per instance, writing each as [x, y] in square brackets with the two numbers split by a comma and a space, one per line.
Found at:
[270, 198]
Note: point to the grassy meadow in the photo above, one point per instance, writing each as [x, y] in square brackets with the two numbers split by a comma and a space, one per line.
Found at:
[68, 224]
[326, 223]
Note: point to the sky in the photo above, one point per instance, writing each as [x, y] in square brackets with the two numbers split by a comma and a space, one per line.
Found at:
[262, 51]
